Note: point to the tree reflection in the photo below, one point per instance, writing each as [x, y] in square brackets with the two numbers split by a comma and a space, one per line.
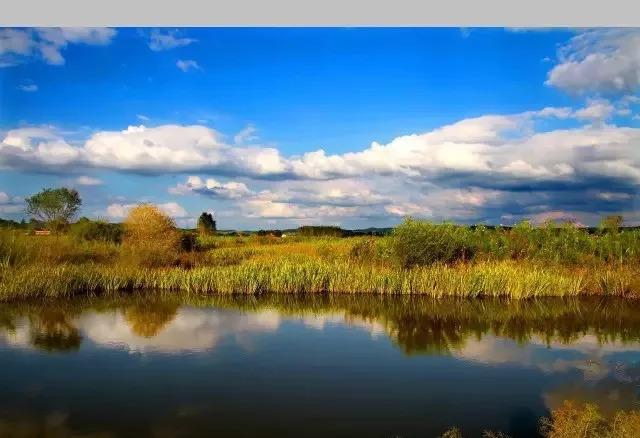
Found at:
[147, 319]
[418, 325]
[52, 331]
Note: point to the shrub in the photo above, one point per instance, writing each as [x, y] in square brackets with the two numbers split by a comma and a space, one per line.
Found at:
[316, 231]
[189, 241]
[569, 421]
[373, 250]
[151, 237]
[364, 250]
[86, 229]
[275, 233]
[418, 243]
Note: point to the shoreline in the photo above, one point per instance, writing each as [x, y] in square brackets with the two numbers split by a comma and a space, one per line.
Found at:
[514, 280]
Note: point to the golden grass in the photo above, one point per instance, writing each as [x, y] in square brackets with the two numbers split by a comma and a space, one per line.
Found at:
[60, 266]
[307, 275]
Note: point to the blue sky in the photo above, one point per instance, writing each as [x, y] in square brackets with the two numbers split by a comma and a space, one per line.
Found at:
[232, 121]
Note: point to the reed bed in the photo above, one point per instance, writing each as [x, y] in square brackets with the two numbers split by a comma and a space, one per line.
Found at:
[494, 279]
[418, 258]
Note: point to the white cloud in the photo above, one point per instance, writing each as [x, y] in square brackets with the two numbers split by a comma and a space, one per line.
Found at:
[597, 110]
[601, 60]
[211, 187]
[246, 135]
[504, 159]
[264, 206]
[492, 147]
[88, 181]
[61, 36]
[28, 88]
[143, 117]
[186, 65]
[180, 148]
[10, 205]
[613, 196]
[561, 113]
[409, 209]
[167, 40]
[18, 45]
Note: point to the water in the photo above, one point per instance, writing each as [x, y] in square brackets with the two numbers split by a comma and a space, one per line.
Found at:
[319, 366]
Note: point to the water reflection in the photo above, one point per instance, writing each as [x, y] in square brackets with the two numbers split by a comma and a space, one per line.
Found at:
[406, 365]
[487, 331]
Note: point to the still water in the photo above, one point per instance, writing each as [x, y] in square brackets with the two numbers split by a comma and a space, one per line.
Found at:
[320, 366]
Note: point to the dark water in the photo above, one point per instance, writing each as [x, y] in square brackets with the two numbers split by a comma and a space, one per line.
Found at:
[319, 366]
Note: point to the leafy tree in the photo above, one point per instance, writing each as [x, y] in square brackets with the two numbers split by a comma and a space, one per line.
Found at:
[613, 222]
[206, 224]
[54, 206]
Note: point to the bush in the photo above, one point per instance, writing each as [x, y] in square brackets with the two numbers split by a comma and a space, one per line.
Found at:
[570, 421]
[189, 241]
[275, 233]
[317, 231]
[364, 250]
[372, 250]
[151, 237]
[418, 243]
[86, 229]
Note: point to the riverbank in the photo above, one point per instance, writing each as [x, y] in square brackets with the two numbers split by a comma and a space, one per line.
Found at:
[418, 258]
[516, 280]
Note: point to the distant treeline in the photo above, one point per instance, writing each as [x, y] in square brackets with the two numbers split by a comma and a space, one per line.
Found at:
[91, 229]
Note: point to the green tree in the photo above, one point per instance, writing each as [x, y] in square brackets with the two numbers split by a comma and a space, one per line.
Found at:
[55, 207]
[613, 222]
[206, 224]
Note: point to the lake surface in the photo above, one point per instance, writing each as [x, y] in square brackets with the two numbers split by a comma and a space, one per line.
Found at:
[319, 366]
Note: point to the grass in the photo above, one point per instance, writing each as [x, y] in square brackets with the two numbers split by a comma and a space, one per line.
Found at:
[510, 279]
[565, 422]
[419, 258]
[570, 421]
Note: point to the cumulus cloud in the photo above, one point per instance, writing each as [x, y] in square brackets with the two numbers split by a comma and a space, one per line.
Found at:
[46, 44]
[500, 157]
[213, 188]
[601, 60]
[266, 206]
[186, 65]
[561, 113]
[88, 181]
[11, 204]
[159, 40]
[597, 110]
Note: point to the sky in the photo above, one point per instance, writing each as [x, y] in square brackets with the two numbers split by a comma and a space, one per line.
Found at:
[357, 127]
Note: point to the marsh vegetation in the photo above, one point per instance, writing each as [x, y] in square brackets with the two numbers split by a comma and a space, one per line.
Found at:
[417, 257]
